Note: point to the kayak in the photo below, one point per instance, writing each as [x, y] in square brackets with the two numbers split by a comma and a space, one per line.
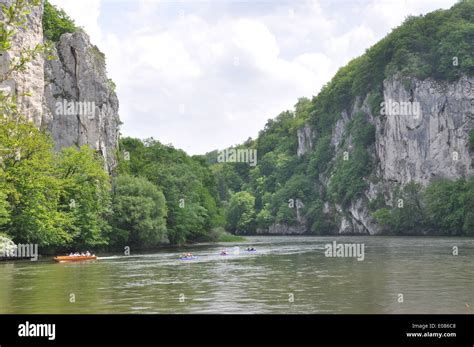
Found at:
[250, 250]
[188, 258]
[68, 258]
[224, 254]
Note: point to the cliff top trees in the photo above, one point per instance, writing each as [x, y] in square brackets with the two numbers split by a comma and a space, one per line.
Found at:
[56, 22]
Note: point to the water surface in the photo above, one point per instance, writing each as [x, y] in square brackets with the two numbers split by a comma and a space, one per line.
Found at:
[285, 275]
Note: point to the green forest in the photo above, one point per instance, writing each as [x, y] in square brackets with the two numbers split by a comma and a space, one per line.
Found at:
[159, 195]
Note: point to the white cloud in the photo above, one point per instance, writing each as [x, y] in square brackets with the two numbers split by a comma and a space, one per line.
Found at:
[205, 76]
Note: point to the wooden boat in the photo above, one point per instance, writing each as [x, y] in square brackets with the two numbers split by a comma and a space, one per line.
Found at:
[68, 258]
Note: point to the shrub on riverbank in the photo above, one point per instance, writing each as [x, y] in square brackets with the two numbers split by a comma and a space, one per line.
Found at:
[220, 235]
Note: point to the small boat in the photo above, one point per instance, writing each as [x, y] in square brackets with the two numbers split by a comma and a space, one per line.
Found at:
[68, 258]
[224, 253]
[188, 258]
[250, 250]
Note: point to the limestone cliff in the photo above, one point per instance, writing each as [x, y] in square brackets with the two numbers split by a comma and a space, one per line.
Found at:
[31, 81]
[433, 143]
[70, 96]
[425, 144]
[77, 79]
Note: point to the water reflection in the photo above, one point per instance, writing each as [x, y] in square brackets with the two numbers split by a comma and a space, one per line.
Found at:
[285, 275]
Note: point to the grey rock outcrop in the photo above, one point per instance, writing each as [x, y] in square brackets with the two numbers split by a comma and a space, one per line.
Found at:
[283, 229]
[77, 81]
[421, 134]
[339, 130]
[305, 140]
[30, 81]
[60, 90]
[433, 143]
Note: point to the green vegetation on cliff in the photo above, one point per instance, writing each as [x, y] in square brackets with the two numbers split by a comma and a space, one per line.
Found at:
[56, 22]
[438, 45]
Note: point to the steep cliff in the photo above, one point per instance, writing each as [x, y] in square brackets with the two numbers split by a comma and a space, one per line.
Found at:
[77, 82]
[28, 85]
[378, 148]
[70, 96]
[433, 143]
[428, 142]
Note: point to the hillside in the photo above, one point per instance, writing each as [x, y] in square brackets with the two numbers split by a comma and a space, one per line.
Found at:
[385, 147]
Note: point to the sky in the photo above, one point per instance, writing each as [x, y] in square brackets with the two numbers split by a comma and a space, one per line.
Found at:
[205, 75]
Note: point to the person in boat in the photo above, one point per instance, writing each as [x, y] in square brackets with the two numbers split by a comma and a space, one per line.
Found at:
[76, 254]
[224, 252]
[88, 254]
[71, 254]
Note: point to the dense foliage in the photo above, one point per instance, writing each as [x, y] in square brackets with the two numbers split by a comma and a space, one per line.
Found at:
[139, 213]
[53, 199]
[187, 183]
[56, 22]
[444, 207]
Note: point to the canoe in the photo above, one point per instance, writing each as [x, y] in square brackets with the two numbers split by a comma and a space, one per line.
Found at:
[77, 258]
[188, 258]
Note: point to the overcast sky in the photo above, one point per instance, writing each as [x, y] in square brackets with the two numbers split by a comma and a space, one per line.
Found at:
[205, 75]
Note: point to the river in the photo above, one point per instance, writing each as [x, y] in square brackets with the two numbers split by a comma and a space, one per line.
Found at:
[285, 275]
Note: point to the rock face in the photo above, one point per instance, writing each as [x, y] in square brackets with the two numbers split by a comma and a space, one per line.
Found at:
[305, 140]
[422, 134]
[71, 96]
[283, 229]
[32, 80]
[81, 105]
[432, 143]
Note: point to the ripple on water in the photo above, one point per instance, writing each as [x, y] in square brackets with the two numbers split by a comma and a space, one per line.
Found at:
[424, 269]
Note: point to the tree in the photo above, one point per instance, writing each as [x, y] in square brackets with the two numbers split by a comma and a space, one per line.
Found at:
[56, 22]
[85, 195]
[188, 184]
[407, 213]
[30, 184]
[139, 212]
[4, 209]
[241, 213]
[450, 205]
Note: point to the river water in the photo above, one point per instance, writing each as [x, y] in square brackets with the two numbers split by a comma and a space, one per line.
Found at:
[285, 275]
